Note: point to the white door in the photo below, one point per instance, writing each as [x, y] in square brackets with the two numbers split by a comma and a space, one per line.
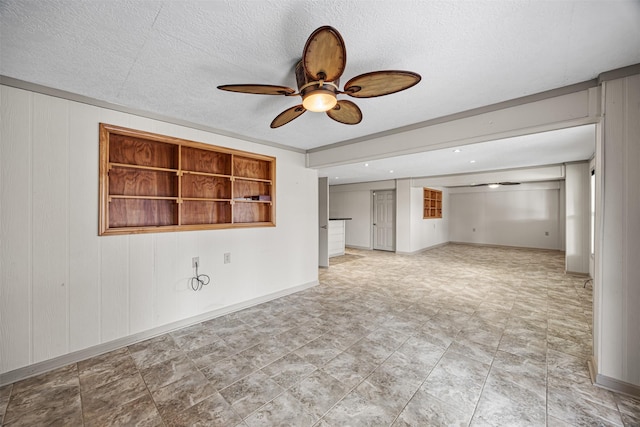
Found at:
[384, 223]
[323, 222]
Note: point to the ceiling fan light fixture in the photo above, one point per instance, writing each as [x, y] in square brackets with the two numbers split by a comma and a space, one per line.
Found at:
[318, 79]
[319, 100]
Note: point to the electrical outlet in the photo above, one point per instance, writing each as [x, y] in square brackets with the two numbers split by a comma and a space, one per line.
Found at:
[195, 261]
[227, 257]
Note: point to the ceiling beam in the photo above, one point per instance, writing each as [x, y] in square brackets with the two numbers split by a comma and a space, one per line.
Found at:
[537, 115]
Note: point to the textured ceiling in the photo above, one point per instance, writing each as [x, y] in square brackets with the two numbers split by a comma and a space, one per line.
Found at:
[167, 57]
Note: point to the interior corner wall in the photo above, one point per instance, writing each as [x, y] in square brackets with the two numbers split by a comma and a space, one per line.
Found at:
[63, 288]
[617, 278]
[526, 215]
[355, 201]
[414, 233]
[578, 218]
[404, 223]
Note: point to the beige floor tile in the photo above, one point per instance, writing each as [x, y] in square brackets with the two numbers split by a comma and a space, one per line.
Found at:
[457, 335]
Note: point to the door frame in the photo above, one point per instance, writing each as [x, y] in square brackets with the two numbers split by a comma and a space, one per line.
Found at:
[323, 222]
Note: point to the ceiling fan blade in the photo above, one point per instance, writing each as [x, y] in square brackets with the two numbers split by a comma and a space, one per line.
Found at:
[346, 112]
[325, 55]
[258, 89]
[379, 83]
[287, 115]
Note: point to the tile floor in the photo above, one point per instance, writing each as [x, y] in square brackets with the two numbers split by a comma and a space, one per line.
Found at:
[459, 335]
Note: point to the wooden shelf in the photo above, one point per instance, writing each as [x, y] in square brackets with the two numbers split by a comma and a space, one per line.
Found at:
[432, 203]
[153, 183]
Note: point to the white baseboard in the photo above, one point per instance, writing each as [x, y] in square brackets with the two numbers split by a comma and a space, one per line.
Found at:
[490, 245]
[96, 350]
[364, 248]
[611, 384]
[577, 273]
[428, 248]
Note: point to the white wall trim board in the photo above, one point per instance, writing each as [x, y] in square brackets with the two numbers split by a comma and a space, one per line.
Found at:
[389, 184]
[363, 248]
[576, 273]
[619, 73]
[45, 90]
[77, 356]
[428, 248]
[611, 384]
[488, 245]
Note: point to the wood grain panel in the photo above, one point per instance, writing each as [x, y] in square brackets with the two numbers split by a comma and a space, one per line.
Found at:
[141, 152]
[251, 212]
[15, 227]
[140, 212]
[207, 161]
[135, 182]
[250, 188]
[207, 187]
[197, 212]
[251, 168]
[84, 244]
[50, 227]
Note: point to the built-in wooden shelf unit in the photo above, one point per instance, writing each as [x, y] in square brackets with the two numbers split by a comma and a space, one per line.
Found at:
[432, 203]
[152, 183]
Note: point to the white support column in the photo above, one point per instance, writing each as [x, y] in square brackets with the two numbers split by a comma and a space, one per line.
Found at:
[617, 281]
[577, 218]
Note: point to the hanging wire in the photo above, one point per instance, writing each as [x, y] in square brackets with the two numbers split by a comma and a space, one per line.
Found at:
[199, 280]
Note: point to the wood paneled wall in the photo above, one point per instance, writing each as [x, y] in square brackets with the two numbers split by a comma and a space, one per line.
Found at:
[617, 281]
[65, 289]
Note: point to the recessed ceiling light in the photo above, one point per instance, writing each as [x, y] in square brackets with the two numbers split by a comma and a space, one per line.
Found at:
[457, 150]
[337, 177]
[472, 161]
[391, 171]
[366, 164]
[494, 185]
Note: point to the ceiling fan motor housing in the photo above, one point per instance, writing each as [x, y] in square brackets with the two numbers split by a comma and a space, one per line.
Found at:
[305, 86]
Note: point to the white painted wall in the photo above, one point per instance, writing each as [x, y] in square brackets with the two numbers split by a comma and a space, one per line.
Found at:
[617, 269]
[577, 213]
[414, 232]
[428, 232]
[65, 289]
[509, 216]
[355, 201]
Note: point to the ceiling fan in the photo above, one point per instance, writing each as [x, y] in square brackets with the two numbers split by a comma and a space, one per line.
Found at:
[318, 77]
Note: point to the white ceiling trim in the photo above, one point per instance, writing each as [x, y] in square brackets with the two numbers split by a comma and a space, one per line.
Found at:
[57, 93]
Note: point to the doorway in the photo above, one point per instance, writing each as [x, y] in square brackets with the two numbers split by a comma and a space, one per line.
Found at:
[384, 220]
